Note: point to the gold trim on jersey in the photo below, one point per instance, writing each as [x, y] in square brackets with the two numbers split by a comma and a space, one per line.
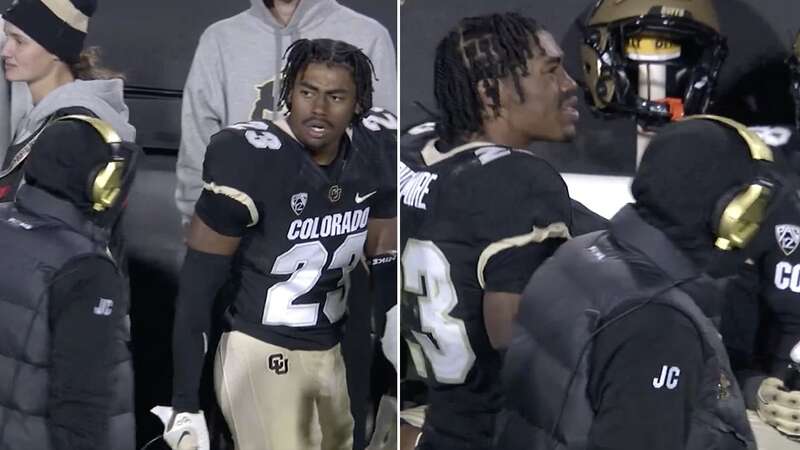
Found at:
[237, 195]
[414, 416]
[432, 156]
[552, 231]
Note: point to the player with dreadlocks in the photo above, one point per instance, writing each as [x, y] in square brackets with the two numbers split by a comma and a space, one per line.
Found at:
[298, 202]
[327, 51]
[479, 213]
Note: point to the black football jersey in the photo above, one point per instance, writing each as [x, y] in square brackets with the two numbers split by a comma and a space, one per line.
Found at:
[474, 218]
[306, 224]
[778, 288]
[784, 141]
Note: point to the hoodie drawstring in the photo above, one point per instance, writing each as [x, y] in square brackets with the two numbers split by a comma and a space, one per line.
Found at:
[276, 85]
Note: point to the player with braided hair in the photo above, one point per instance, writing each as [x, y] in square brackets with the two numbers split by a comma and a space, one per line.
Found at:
[479, 214]
[235, 73]
[298, 201]
[467, 62]
[331, 52]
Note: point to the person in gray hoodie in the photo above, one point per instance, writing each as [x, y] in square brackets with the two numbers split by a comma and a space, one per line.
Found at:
[53, 76]
[234, 75]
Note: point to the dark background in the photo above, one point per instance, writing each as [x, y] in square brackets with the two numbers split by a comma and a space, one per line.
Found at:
[757, 30]
[152, 42]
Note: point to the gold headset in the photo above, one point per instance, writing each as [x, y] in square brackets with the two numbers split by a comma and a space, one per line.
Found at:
[739, 215]
[106, 181]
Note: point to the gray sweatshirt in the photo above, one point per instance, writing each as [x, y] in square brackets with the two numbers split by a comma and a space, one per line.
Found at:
[103, 97]
[232, 78]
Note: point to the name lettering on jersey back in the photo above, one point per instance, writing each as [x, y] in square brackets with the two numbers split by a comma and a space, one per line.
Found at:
[337, 224]
[414, 186]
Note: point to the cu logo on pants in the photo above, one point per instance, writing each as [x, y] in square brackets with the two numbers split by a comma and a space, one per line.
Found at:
[278, 363]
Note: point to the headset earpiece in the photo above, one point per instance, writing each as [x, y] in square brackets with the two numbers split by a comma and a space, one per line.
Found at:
[739, 213]
[741, 216]
[106, 184]
[107, 180]
[722, 203]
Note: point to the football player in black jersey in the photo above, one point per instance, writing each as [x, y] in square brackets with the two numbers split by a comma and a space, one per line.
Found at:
[287, 211]
[479, 214]
[762, 325]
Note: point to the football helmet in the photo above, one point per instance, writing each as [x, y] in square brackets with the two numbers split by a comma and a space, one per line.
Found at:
[629, 44]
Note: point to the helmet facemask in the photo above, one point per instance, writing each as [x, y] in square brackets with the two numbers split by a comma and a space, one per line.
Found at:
[655, 67]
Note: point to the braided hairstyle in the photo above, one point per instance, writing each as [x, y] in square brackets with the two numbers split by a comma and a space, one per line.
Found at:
[481, 50]
[328, 51]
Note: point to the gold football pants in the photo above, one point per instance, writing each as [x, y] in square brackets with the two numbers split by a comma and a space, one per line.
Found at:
[279, 399]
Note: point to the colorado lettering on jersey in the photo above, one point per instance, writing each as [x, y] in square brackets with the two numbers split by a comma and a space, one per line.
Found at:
[414, 186]
[329, 225]
[787, 276]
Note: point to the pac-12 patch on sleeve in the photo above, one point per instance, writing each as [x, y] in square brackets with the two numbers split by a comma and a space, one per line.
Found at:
[788, 237]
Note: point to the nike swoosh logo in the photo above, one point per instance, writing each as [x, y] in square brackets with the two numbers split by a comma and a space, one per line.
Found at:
[360, 198]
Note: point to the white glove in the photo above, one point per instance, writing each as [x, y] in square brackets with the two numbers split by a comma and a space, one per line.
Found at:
[183, 431]
[778, 407]
[794, 355]
[389, 339]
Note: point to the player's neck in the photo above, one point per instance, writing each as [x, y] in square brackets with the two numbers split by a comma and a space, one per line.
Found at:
[498, 132]
[283, 10]
[327, 155]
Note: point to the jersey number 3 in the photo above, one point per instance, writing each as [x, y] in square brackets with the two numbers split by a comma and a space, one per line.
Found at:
[305, 263]
[443, 338]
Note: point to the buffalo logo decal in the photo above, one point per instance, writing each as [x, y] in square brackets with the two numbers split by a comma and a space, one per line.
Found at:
[265, 104]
